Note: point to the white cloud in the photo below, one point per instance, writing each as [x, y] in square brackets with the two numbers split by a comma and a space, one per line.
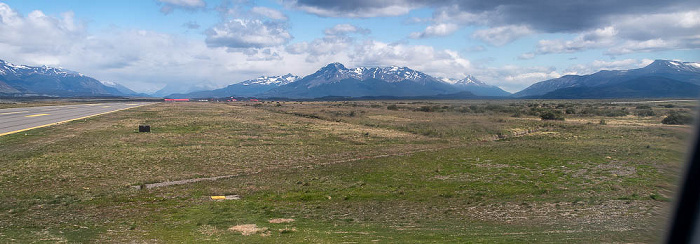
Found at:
[514, 78]
[441, 63]
[667, 26]
[599, 38]
[269, 13]
[342, 29]
[37, 35]
[439, 29]
[344, 49]
[598, 65]
[525, 56]
[502, 35]
[642, 46]
[634, 33]
[321, 49]
[247, 33]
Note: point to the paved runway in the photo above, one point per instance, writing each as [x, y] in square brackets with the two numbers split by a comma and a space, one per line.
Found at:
[13, 120]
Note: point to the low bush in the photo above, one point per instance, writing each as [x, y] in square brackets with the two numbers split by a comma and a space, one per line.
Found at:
[551, 115]
[644, 112]
[677, 118]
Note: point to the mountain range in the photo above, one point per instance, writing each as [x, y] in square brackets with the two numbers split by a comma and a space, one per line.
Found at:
[336, 80]
[22, 80]
[248, 88]
[661, 78]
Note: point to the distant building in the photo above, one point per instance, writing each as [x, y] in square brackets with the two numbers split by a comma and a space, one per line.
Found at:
[177, 100]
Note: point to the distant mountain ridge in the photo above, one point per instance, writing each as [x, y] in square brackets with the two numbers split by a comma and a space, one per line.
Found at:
[642, 87]
[22, 80]
[336, 80]
[665, 71]
[479, 88]
[246, 88]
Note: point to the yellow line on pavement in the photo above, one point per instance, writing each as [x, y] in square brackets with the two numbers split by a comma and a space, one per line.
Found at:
[35, 115]
[18, 112]
[61, 122]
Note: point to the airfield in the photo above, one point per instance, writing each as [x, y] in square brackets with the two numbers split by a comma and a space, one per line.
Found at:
[481, 171]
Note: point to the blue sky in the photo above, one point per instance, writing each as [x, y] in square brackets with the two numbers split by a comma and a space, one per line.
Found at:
[149, 44]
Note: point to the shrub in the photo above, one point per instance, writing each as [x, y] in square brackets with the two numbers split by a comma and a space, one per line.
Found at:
[392, 107]
[426, 109]
[476, 109]
[616, 112]
[607, 112]
[551, 115]
[644, 112]
[676, 118]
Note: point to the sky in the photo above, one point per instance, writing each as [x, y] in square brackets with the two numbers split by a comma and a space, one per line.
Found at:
[150, 44]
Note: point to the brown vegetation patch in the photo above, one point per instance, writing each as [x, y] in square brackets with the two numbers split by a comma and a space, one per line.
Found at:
[388, 118]
[617, 215]
[248, 229]
[280, 221]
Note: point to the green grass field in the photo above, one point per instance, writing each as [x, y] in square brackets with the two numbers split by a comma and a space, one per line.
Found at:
[348, 172]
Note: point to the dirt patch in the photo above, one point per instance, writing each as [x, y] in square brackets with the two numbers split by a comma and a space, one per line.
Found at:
[280, 221]
[248, 229]
[618, 169]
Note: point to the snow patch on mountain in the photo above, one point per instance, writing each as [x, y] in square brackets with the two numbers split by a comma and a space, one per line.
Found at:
[108, 83]
[7, 68]
[271, 80]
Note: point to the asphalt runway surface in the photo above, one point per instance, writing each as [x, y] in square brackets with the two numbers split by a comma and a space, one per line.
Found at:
[13, 120]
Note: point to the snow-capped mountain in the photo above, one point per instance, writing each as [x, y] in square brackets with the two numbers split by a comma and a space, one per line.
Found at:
[473, 85]
[49, 81]
[8, 69]
[675, 71]
[336, 72]
[336, 80]
[467, 81]
[246, 88]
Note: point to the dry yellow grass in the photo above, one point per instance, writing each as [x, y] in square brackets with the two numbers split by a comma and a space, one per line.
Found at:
[248, 229]
[280, 221]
